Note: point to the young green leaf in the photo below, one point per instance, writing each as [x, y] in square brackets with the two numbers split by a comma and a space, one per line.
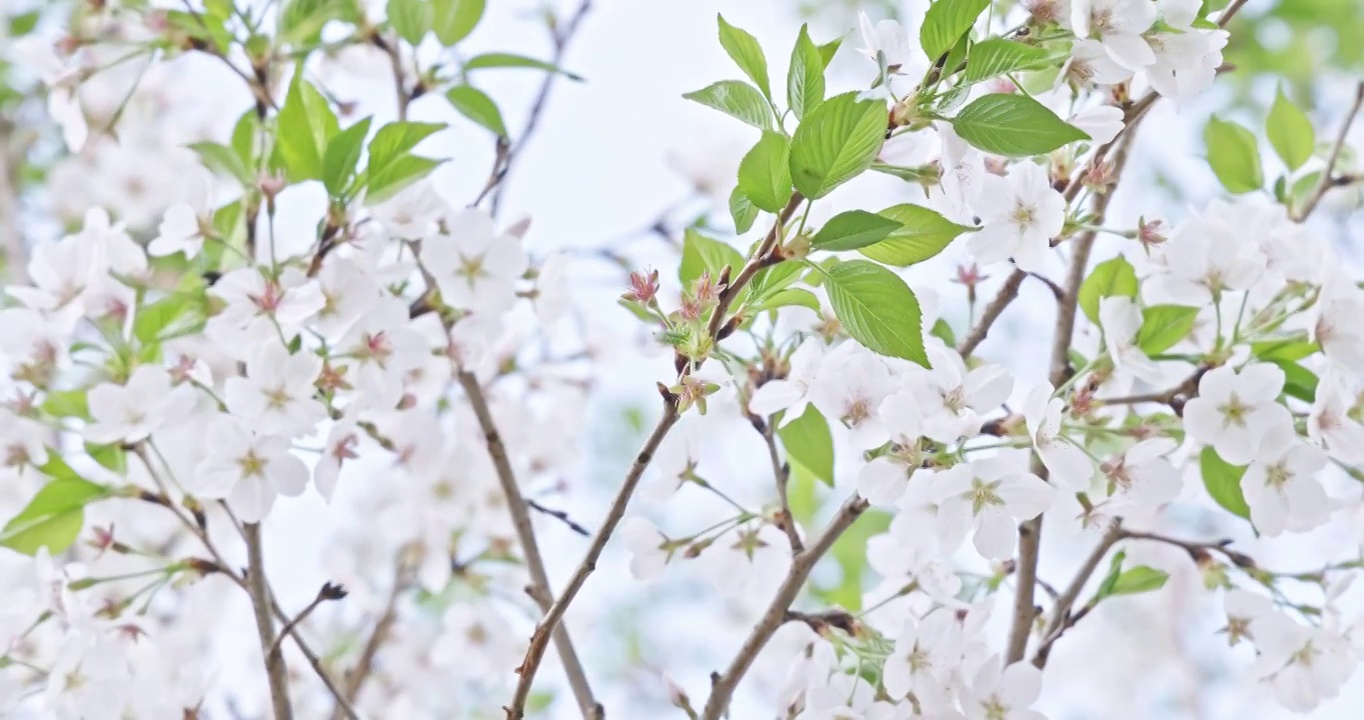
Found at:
[53, 518]
[877, 309]
[391, 166]
[488, 61]
[1223, 481]
[805, 78]
[411, 19]
[453, 20]
[1014, 126]
[741, 210]
[765, 172]
[786, 298]
[945, 22]
[737, 99]
[701, 254]
[474, 104]
[223, 160]
[997, 56]
[1139, 579]
[1290, 132]
[807, 439]
[922, 234]
[342, 156]
[1289, 348]
[835, 143]
[852, 230]
[828, 50]
[1234, 155]
[306, 125]
[1164, 325]
[67, 403]
[1111, 278]
[745, 51]
[1299, 382]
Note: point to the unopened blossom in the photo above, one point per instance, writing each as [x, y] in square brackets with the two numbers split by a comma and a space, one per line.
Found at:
[1023, 213]
[130, 412]
[412, 214]
[277, 395]
[1119, 25]
[1331, 423]
[649, 549]
[475, 267]
[1068, 465]
[247, 469]
[849, 387]
[1003, 693]
[1280, 484]
[1121, 320]
[952, 400]
[1235, 410]
[790, 393]
[989, 495]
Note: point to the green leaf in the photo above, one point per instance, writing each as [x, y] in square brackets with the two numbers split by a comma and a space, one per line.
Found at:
[745, 51]
[742, 210]
[23, 23]
[1223, 481]
[852, 230]
[411, 19]
[342, 156]
[1013, 126]
[1111, 278]
[154, 319]
[1299, 382]
[53, 518]
[943, 331]
[700, 254]
[1290, 132]
[1139, 579]
[765, 172]
[1111, 577]
[805, 77]
[828, 50]
[1234, 155]
[306, 125]
[737, 99]
[850, 552]
[922, 234]
[835, 143]
[877, 309]
[244, 137]
[775, 277]
[786, 298]
[112, 457]
[67, 403]
[808, 441]
[945, 22]
[223, 160]
[488, 61]
[1291, 349]
[391, 166]
[453, 20]
[301, 21]
[477, 106]
[1164, 325]
[997, 56]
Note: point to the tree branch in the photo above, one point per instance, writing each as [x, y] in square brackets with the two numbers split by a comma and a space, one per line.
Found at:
[1007, 293]
[781, 474]
[275, 669]
[1328, 180]
[1061, 619]
[762, 257]
[723, 686]
[539, 589]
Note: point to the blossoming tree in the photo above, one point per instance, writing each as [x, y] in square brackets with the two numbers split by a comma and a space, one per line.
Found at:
[180, 362]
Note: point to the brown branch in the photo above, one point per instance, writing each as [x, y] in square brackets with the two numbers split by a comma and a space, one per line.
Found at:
[781, 474]
[328, 593]
[554, 612]
[561, 37]
[275, 669]
[1061, 617]
[1007, 293]
[364, 666]
[12, 247]
[1328, 180]
[1175, 397]
[1197, 550]
[723, 686]
[764, 256]
[559, 515]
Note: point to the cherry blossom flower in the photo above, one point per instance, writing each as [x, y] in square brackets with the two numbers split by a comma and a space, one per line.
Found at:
[1121, 319]
[276, 396]
[1234, 411]
[1068, 465]
[1024, 213]
[951, 400]
[246, 469]
[649, 549]
[1331, 424]
[1119, 26]
[1280, 487]
[475, 267]
[413, 213]
[1303, 665]
[132, 411]
[990, 495]
[792, 392]
[849, 387]
[1142, 478]
[925, 651]
[1004, 693]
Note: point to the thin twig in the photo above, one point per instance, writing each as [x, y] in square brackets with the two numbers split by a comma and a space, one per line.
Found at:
[561, 37]
[764, 256]
[15, 252]
[781, 475]
[555, 612]
[1175, 397]
[364, 666]
[723, 686]
[1061, 618]
[540, 589]
[328, 593]
[1196, 549]
[275, 669]
[1328, 180]
[395, 61]
[1007, 293]
[559, 515]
